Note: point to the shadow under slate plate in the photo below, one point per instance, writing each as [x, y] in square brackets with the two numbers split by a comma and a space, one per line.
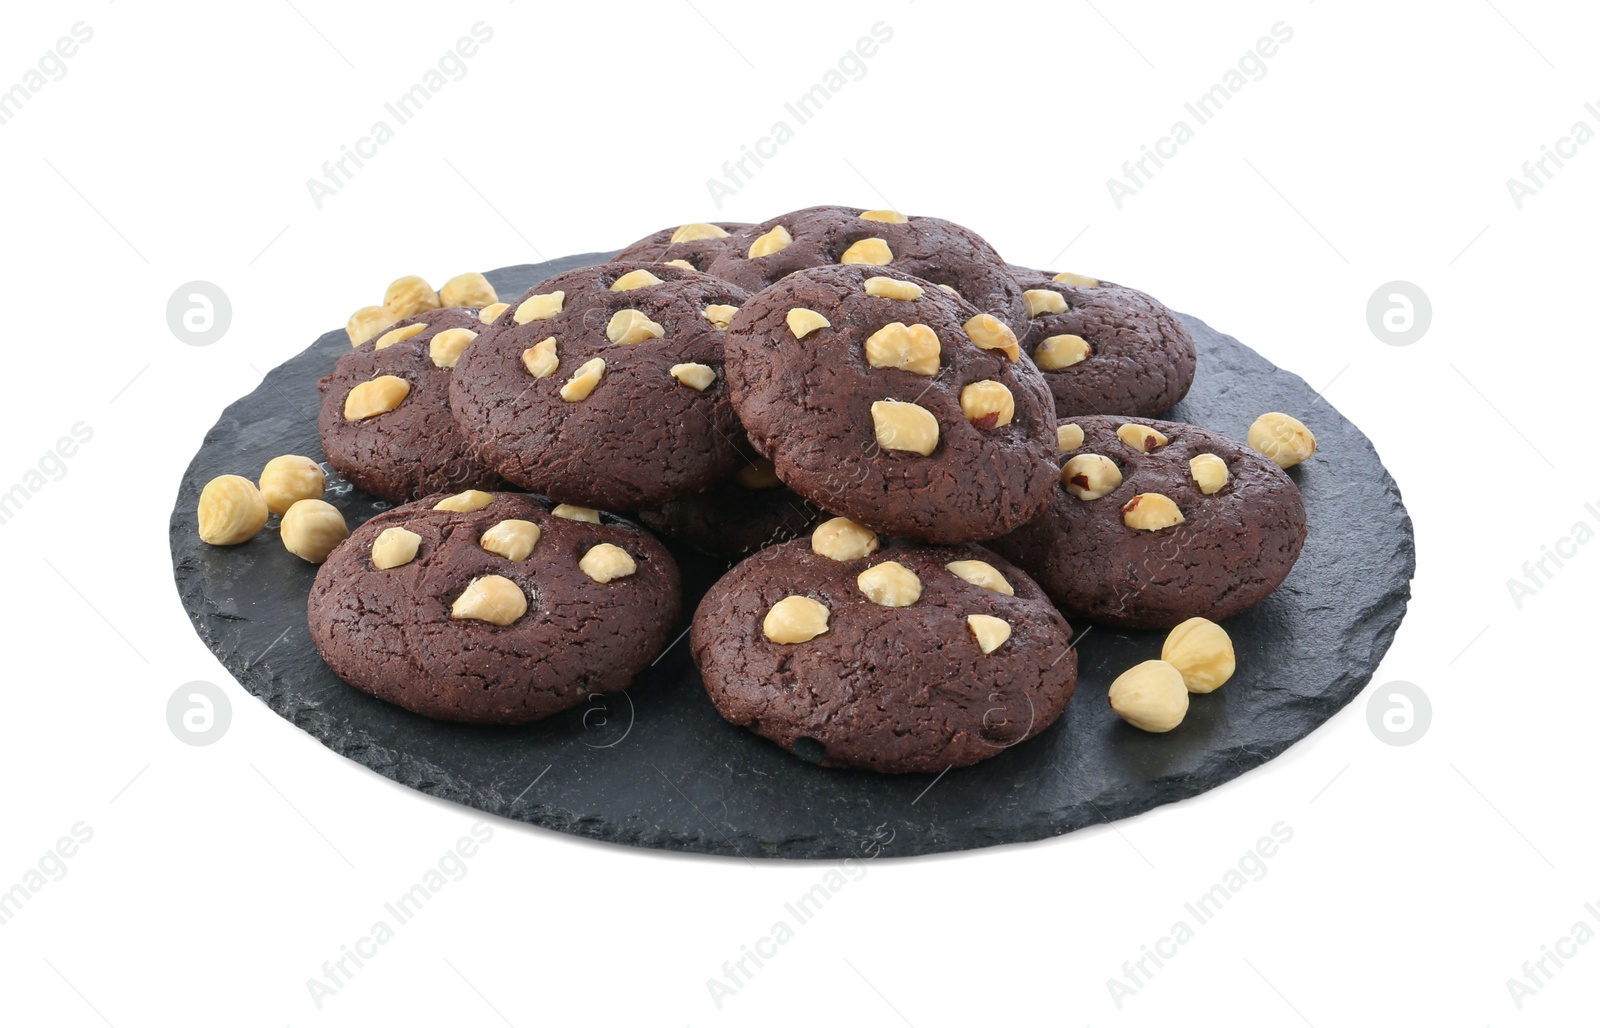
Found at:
[656, 766]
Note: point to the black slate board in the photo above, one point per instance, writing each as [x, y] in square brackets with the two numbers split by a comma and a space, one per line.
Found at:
[656, 766]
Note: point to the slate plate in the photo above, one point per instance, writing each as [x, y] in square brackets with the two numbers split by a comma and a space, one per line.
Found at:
[656, 766]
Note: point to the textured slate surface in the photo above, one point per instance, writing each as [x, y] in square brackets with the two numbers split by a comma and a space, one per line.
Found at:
[656, 767]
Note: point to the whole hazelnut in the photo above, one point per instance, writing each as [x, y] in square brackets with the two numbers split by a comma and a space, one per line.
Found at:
[311, 529]
[231, 510]
[1202, 653]
[1150, 696]
[795, 619]
[289, 478]
[1281, 439]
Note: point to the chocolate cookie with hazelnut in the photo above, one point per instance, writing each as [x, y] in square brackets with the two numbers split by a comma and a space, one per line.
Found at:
[1104, 348]
[694, 245]
[604, 386]
[851, 651]
[951, 256]
[884, 398]
[1155, 522]
[385, 419]
[493, 608]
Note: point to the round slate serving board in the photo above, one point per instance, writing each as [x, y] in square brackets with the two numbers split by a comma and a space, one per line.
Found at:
[656, 766]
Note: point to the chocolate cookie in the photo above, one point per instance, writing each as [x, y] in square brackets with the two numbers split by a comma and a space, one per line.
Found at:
[604, 386]
[492, 608]
[1105, 348]
[893, 657]
[696, 244]
[933, 249]
[888, 400]
[385, 418]
[748, 512]
[1156, 522]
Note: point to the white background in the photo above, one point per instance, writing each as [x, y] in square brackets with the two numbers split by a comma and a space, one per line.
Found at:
[1377, 147]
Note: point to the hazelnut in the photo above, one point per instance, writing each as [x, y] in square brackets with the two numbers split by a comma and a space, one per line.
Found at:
[639, 279]
[394, 547]
[990, 333]
[795, 619]
[447, 347]
[231, 510]
[679, 262]
[904, 426]
[488, 315]
[470, 289]
[890, 584]
[759, 475]
[1089, 476]
[289, 478]
[1202, 653]
[697, 230]
[1141, 437]
[1150, 696]
[398, 335]
[981, 574]
[1068, 437]
[770, 242]
[369, 322]
[410, 295]
[1210, 472]
[379, 396]
[913, 348]
[1068, 278]
[842, 539]
[572, 512]
[871, 251]
[891, 288]
[539, 306]
[465, 502]
[803, 322]
[540, 358]
[583, 381]
[1043, 301]
[719, 314]
[891, 217]
[628, 327]
[1151, 512]
[1281, 439]
[991, 632]
[1063, 351]
[311, 529]
[606, 563]
[696, 376]
[492, 598]
[512, 538]
[987, 404]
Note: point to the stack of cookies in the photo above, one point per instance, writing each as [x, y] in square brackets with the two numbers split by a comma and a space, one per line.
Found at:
[925, 461]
